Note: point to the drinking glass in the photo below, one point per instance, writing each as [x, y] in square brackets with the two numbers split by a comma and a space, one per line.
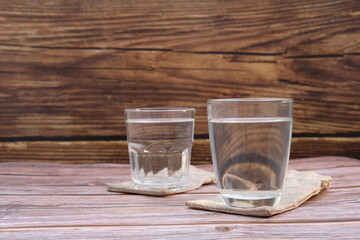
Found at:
[250, 144]
[159, 143]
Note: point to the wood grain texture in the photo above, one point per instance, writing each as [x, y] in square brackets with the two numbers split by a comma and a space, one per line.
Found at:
[69, 69]
[124, 210]
[346, 230]
[75, 98]
[70, 200]
[60, 179]
[47, 92]
[323, 146]
[302, 27]
[117, 152]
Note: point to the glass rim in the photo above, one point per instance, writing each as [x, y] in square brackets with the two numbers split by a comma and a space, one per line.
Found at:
[160, 109]
[290, 100]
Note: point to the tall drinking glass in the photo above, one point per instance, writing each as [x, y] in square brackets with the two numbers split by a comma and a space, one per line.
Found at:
[159, 143]
[250, 145]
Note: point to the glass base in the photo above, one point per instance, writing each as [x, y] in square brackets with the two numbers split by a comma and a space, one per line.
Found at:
[163, 186]
[251, 199]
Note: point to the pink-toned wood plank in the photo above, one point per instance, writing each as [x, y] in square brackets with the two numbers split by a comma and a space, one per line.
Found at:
[336, 230]
[48, 168]
[130, 210]
[78, 179]
[46, 200]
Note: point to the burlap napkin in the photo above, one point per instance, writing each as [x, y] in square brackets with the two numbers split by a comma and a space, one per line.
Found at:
[298, 188]
[197, 178]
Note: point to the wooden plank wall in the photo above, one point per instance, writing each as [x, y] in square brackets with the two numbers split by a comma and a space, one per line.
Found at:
[68, 69]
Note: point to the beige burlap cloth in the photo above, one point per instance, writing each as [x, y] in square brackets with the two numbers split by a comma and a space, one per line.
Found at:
[197, 178]
[298, 188]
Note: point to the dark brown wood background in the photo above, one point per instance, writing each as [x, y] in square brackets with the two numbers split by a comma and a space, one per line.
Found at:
[68, 69]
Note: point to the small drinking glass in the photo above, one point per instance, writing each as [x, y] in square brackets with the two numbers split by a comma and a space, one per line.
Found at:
[250, 145]
[159, 143]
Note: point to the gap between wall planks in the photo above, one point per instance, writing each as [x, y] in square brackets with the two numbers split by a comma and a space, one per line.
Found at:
[69, 81]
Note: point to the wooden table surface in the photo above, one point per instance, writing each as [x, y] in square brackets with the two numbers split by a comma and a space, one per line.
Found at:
[70, 201]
